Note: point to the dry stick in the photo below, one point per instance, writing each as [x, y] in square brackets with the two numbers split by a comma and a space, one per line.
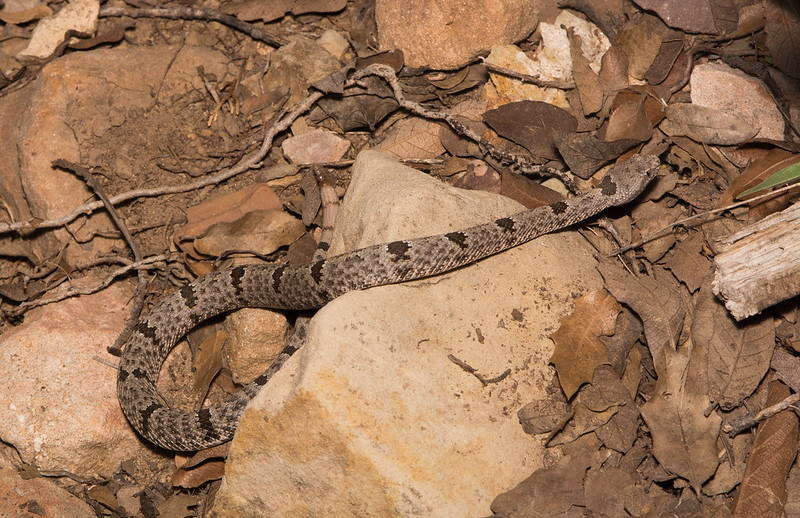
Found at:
[138, 295]
[538, 81]
[524, 165]
[663, 230]
[195, 13]
[144, 264]
[246, 163]
[739, 425]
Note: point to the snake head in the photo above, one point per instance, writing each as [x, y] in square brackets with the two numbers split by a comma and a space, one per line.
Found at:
[625, 181]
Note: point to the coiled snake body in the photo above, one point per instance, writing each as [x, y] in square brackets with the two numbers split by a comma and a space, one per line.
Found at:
[312, 286]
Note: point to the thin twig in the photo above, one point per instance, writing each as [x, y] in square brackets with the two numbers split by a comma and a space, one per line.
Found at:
[196, 13]
[683, 221]
[146, 264]
[522, 163]
[739, 425]
[538, 81]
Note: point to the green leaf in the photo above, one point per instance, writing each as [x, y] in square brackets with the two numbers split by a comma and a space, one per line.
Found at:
[782, 177]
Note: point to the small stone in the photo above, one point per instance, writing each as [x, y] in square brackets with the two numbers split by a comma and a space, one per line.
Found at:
[447, 34]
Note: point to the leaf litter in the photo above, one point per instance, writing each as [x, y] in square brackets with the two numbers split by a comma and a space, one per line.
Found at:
[648, 371]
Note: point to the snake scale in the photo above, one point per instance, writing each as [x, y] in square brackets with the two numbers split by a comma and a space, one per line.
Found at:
[313, 285]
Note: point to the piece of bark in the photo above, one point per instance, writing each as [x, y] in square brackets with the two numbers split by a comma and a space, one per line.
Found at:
[761, 264]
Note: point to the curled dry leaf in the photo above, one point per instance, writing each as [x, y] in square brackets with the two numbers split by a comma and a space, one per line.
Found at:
[763, 490]
[782, 27]
[684, 439]
[578, 348]
[729, 359]
[587, 82]
[658, 300]
[641, 44]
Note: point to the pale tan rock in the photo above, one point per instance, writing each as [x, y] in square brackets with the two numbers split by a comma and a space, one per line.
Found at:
[446, 34]
[723, 88]
[78, 15]
[371, 418]
[60, 408]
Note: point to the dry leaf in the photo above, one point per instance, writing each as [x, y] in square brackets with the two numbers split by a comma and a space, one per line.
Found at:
[608, 391]
[586, 81]
[687, 15]
[412, 137]
[542, 416]
[687, 262]
[729, 358]
[614, 69]
[641, 44]
[196, 476]
[758, 171]
[584, 153]
[582, 421]
[578, 349]
[629, 121]
[228, 207]
[657, 299]
[208, 361]
[763, 489]
[547, 492]
[684, 439]
[782, 27]
[259, 231]
[531, 124]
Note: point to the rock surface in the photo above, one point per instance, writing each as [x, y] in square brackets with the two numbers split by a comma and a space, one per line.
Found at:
[38, 497]
[723, 88]
[60, 408]
[446, 34]
[371, 417]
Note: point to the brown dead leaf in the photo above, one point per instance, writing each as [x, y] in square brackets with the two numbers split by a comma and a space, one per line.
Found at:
[763, 489]
[208, 361]
[629, 121]
[706, 125]
[653, 216]
[628, 330]
[578, 349]
[547, 492]
[641, 43]
[584, 153]
[586, 81]
[111, 33]
[614, 69]
[687, 263]
[782, 27]
[531, 124]
[525, 191]
[581, 421]
[228, 207]
[671, 46]
[196, 476]
[730, 358]
[686, 15]
[479, 177]
[608, 391]
[542, 415]
[412, 137]
[359, 110]
[657, 299]
[684, 439]
[611, 491]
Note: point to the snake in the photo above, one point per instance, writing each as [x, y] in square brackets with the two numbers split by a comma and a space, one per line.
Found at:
[312, 285]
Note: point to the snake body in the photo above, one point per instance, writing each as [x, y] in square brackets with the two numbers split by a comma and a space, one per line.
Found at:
[313, 285]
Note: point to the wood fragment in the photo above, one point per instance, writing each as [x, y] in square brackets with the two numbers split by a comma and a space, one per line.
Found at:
[761, 265]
